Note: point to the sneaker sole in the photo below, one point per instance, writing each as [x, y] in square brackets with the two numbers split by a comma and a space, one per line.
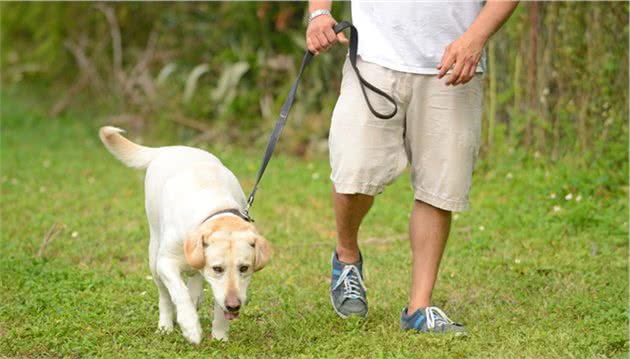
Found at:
[420, 332]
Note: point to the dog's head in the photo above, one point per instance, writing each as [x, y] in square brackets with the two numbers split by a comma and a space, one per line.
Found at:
[227, 250]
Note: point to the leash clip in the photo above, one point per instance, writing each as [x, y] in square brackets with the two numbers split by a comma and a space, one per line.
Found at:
[245, 212]
[246, 216]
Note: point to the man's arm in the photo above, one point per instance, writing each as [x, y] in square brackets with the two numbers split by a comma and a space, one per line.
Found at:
[320, 35]
[464, 53]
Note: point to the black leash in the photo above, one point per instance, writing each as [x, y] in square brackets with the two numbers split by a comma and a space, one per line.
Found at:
[286, 107]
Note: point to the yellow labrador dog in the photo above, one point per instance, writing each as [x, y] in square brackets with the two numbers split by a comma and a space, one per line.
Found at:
[194, 205]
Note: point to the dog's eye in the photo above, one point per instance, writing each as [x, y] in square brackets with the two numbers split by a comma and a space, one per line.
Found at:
[218, 269]
[243, 269]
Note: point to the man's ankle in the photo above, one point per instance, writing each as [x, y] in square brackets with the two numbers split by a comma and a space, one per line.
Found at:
[413, 307]
[347, 256]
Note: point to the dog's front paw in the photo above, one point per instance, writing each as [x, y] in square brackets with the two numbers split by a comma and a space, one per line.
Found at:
[220, 335]
[164, 328]
[193, 334]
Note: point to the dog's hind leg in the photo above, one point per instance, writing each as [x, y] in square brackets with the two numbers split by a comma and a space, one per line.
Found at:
[195, 288]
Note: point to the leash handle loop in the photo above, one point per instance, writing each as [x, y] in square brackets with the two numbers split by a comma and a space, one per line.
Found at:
[352, 54]
[286, 107]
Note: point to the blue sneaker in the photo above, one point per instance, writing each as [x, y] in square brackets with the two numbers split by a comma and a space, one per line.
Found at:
[347, 291]
[430, 320]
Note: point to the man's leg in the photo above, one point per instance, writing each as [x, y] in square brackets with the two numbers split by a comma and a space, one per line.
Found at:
[442, 140]
[349, 212]
[366, 154]
[347, 291]
[428, 231]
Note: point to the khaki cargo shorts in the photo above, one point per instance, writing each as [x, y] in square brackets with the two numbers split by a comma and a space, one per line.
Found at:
[436, 131]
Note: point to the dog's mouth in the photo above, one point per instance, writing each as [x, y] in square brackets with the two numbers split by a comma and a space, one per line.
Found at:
[230, 315]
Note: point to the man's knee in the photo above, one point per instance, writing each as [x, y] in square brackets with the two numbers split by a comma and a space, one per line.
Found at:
[429, 206]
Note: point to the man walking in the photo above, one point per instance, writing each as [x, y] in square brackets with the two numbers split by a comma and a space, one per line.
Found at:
[428, 57]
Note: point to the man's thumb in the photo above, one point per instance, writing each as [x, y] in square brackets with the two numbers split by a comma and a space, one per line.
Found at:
[342, 38]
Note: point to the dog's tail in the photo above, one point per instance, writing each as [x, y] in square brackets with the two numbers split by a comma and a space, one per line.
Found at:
[129, 153]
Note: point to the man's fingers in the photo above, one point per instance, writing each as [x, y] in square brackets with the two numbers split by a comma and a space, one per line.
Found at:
[330, 36]
[463, 76]
[342, 38]
[473, 70]
[455, 73]
[309, 45]
[323, 42]
[315, 46]
[446, 65]
[445, 55]
[470, 74]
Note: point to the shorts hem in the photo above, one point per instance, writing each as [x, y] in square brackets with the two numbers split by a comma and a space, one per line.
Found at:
[441, 203]
[361, 188]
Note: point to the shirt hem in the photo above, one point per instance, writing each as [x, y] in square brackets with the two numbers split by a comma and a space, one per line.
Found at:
[420, 70]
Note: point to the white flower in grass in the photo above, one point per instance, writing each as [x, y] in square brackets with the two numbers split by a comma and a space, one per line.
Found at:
[568, 197]
[148, 277]
[143, 293]
[578, 198]
[552, 195]
[482, 228]
[455, 216]
[509, 176]
[74, 234]
[557, 208]
[517, 261]
[315, 176]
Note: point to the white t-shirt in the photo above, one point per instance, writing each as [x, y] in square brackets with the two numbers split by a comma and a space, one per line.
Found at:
[411, 36]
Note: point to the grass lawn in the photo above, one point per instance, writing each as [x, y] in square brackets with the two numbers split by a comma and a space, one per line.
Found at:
[536, 269]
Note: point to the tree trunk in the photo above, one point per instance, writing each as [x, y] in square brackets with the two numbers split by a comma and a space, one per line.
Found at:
[534, 12]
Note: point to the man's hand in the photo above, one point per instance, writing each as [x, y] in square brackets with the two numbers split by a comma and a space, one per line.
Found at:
[320, 35]
[463, 55]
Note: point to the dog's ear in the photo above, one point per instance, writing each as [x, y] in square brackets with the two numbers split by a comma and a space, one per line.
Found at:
[193, 249]
[263, 252]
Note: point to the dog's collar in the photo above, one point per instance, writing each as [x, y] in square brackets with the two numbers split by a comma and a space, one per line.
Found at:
[239, 213]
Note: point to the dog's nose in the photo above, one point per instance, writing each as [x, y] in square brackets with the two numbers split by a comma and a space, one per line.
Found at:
[232, 304]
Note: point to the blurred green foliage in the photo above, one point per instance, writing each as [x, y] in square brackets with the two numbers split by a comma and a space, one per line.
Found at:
[556, 85]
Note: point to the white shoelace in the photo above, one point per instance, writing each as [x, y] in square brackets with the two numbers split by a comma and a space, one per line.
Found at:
[435, 316]
[350, 282]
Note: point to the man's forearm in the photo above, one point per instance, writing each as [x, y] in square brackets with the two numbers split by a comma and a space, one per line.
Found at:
[491, 17]
[319, 5]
